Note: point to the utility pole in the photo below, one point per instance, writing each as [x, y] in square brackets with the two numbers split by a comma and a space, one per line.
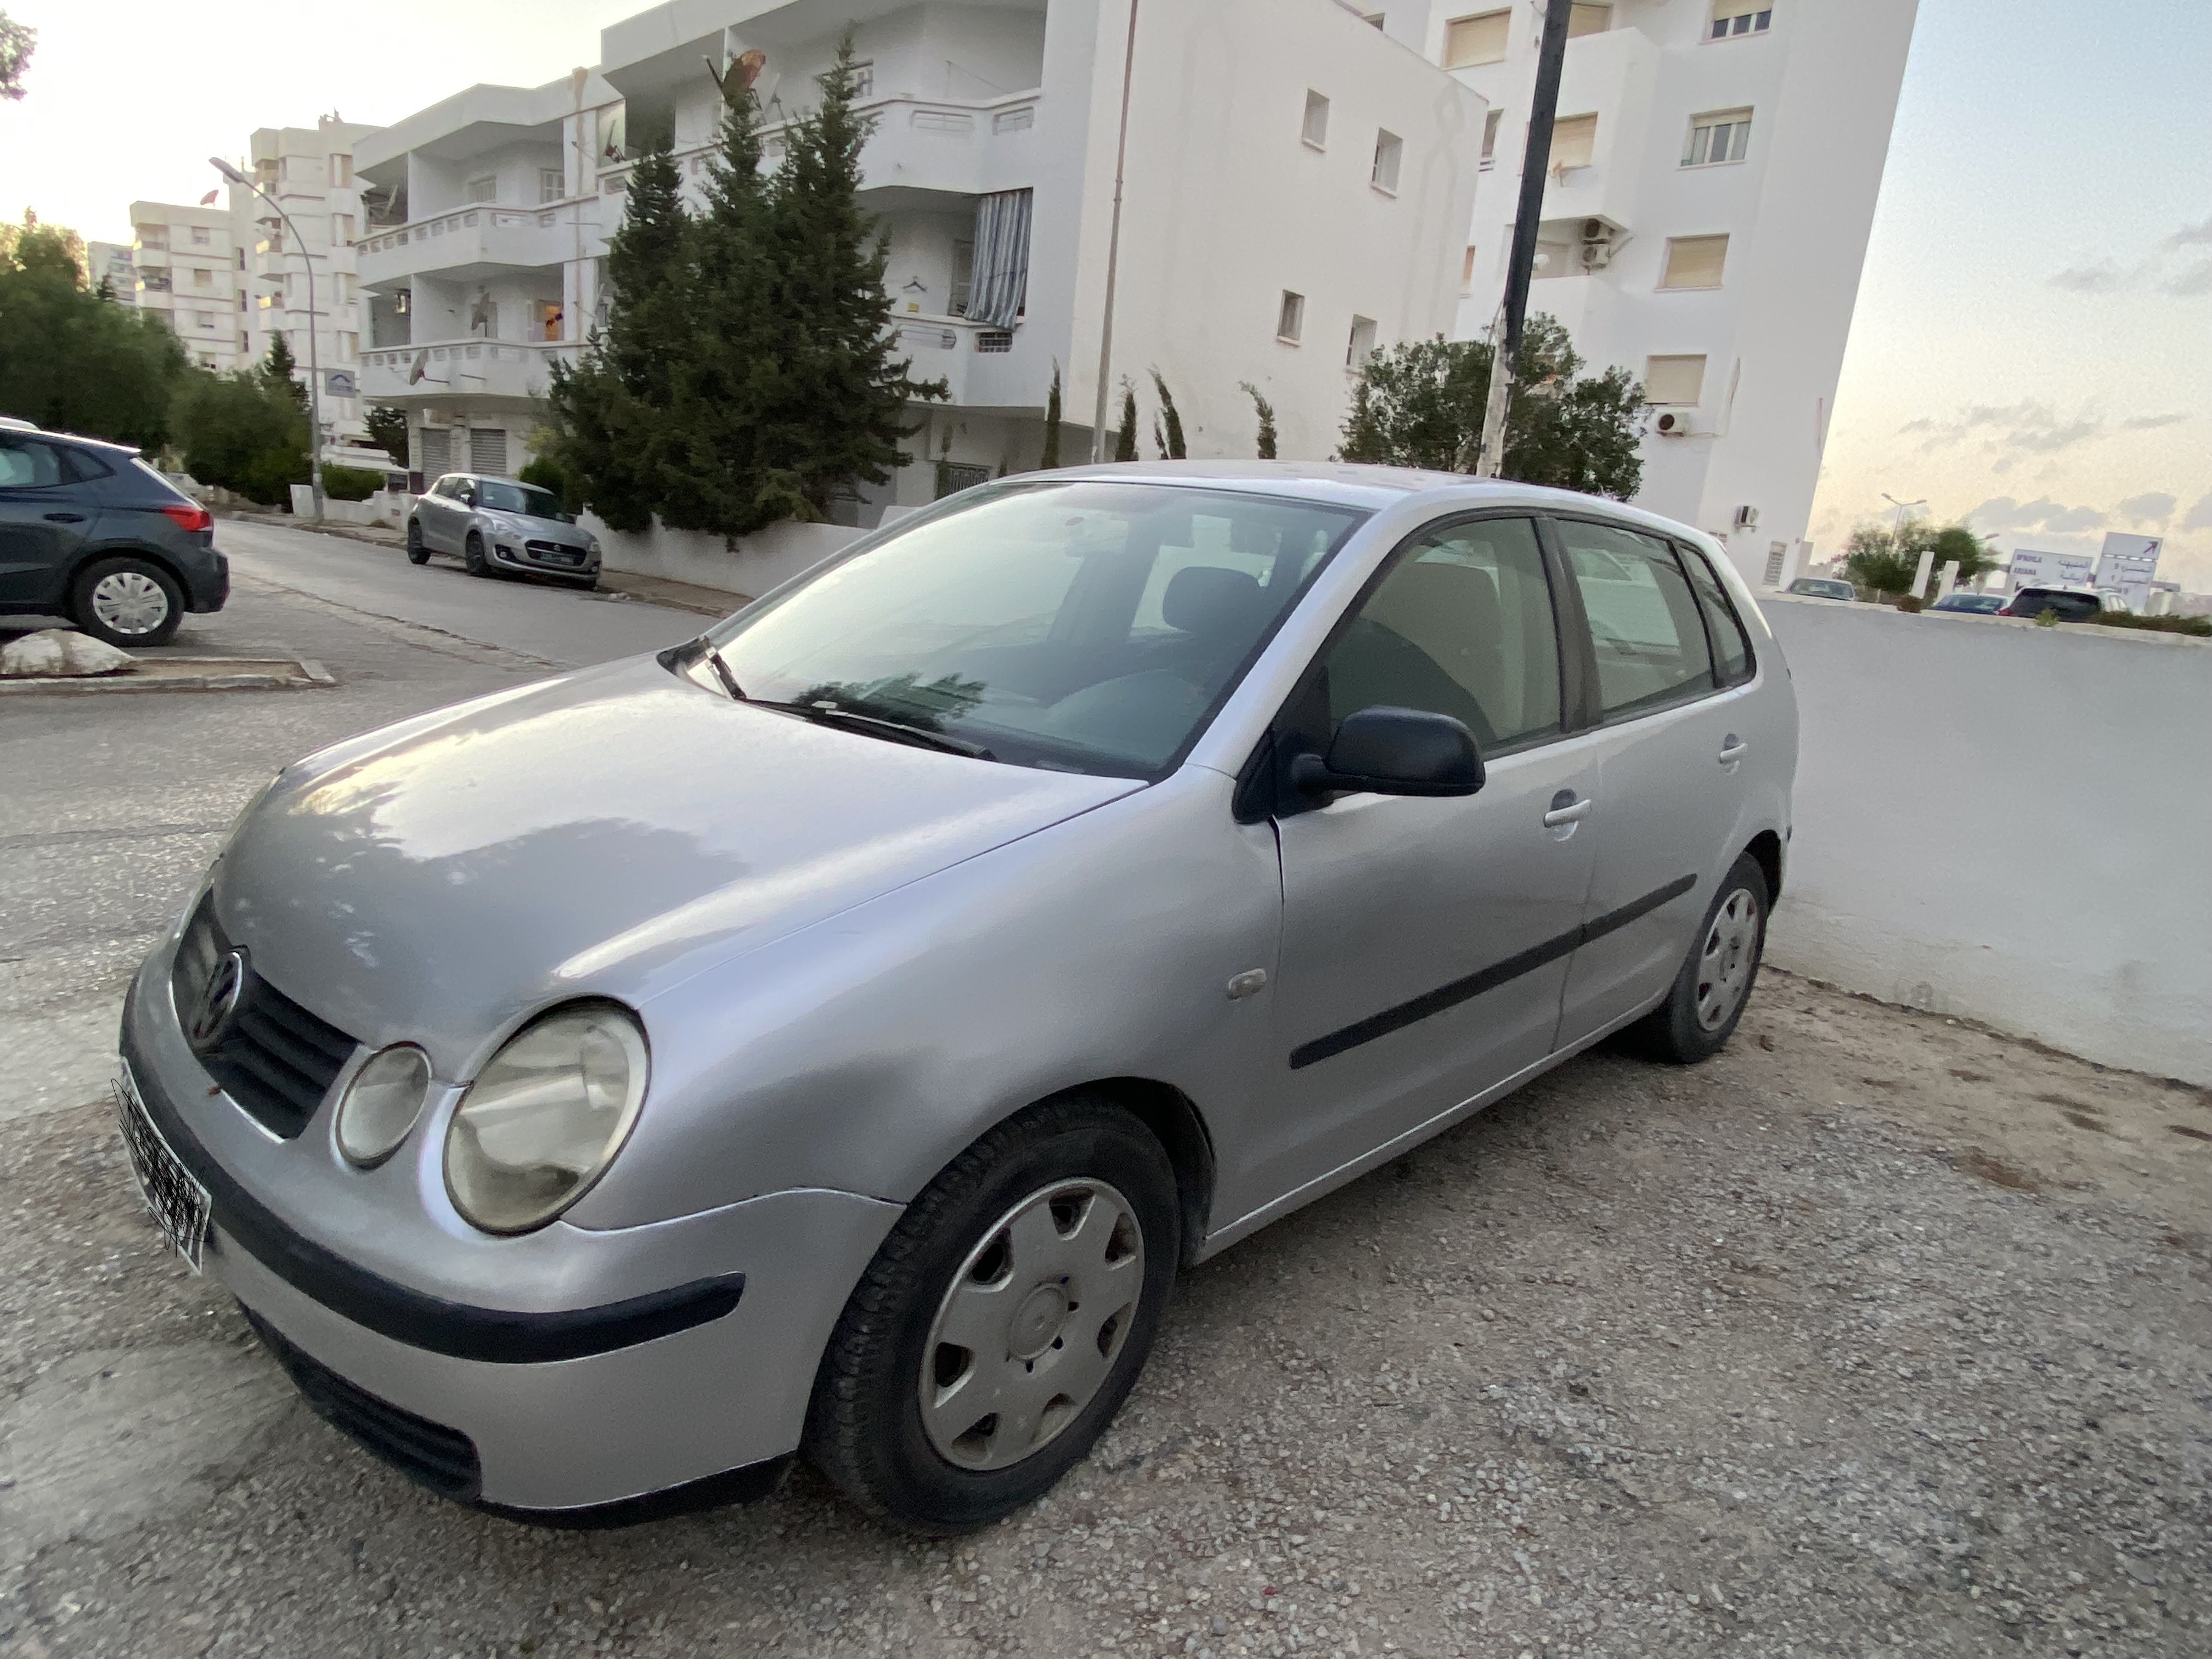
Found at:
[1114, 248]
[1505, 345]
[314, 362]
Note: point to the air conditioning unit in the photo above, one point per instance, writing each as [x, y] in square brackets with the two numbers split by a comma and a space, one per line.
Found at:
[1595, 230]
[1674, 424]
[1746, 518]
[1596, 256]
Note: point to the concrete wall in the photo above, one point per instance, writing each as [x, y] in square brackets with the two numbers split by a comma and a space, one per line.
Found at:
[2006, 822]
[748, 569]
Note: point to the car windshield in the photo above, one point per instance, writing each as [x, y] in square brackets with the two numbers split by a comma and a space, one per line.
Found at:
[1971, 602]
[1090, 627]
[530, 501]
[1820, 589]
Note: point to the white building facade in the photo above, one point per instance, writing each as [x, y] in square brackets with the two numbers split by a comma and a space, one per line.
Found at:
[311, 172]
[184, 264]
[1295, 190]
[1714, 166]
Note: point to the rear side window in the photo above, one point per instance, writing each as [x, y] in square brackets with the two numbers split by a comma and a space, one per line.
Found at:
[1643, 621]
[1731, 646]
[28, 465]
[82, 466]
[1461, 625]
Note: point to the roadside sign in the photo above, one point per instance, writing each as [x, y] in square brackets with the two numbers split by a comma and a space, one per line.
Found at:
[339, 383]
[2032, 568]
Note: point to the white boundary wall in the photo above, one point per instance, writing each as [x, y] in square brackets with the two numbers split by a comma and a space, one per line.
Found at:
[2006, 822]
[750, 566]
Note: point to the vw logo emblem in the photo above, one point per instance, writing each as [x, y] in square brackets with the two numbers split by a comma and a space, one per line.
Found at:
[211, 1018]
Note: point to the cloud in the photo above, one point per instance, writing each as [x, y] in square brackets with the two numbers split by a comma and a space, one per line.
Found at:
[2196, 235]
[2192, 283]
[2050, 439]
[2200, 516]
[2154, 506]
[2103, 278]
[2002, 513]
[2151, 422]
[2029, 426]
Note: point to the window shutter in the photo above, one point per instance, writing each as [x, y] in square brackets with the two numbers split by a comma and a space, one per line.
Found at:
[1589, 20]
[1694, 262]
[1574, 137]
[488, 452]
[1674, 380]
[1472, 41]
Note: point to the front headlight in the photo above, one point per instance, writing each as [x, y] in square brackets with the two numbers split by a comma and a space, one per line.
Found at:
[545, 1117]
[381, 1104]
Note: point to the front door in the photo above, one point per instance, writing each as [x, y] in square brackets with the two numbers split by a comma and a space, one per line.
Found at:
[1424, 941]
[1669, 797]
[43, 522]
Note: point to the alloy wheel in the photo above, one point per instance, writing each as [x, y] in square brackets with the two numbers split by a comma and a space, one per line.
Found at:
[1032, 1323]
[1724, 962]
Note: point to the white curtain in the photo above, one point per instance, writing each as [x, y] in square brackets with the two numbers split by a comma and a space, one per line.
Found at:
[1002, 257]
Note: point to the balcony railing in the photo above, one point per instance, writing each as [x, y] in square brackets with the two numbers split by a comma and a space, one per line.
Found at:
[450, 369]
[474, 239]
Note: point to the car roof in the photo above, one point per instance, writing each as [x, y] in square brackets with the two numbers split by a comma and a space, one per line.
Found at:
[1346, 484]
[107, 445]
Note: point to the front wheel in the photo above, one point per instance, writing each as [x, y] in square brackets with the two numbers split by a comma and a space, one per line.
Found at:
[1002, 1322]
[473, 556]
[1701, 1011]
[416, 552]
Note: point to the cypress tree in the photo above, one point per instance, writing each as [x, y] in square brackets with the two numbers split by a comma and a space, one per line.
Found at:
[278, 370]
[1125, 440]
[1266, 413]
[1051, 456]
[1171, 447]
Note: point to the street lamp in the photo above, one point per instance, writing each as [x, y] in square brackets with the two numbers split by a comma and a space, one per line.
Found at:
[1903, 508]
[314, 362]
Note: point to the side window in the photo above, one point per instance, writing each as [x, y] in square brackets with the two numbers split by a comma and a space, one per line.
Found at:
[1643, 621]
[1460, 625]
[28, 465]
[82, 467]
[1731, 645]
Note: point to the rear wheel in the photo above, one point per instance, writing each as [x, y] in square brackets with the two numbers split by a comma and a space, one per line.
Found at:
[473, 556]
[417, 553]
[1003, 1321]
[127, 602]
[1701, 1011]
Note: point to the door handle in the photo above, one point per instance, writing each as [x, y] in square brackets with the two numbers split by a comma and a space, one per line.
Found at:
[1574, 812]
[1733, 749]
[65, 518]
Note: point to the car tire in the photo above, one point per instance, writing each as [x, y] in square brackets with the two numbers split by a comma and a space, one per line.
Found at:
[1046, 1212]
[417, 553]
[128, 602]
[473, 556]
[586, 584]
[1715, 983]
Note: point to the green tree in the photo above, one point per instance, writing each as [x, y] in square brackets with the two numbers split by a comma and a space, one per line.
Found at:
[243, 433]
[1422, 402]
[1266, 412]
[70, 361]
[388, 430]
[1885, 557]
[17, 43]
[1050, 459]
[279, 371]
[1125, 435]
[1167, 428]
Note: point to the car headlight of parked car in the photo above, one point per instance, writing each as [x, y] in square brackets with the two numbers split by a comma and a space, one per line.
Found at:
[381, 1104]
[545, 1117]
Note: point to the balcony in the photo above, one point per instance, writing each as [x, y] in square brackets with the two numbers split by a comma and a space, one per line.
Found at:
[1612, 74]
[476, 243]
[474, 368]
[982, 367]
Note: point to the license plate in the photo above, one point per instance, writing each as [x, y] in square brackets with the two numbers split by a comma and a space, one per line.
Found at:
[174, 1197]
[562, 555]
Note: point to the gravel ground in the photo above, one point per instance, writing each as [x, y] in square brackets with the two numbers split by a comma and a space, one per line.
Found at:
[1876, 1334]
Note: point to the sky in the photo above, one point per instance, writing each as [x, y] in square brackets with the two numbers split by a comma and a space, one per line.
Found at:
[2033, 348]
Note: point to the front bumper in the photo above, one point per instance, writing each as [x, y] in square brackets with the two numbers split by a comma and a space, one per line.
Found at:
[545, 559]
[662, 1395]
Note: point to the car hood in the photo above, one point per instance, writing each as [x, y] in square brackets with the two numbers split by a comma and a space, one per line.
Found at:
[544, 530]
[607, 833]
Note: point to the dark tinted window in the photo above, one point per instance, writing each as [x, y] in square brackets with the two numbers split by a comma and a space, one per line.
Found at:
[1643, 621]
[531, 502]
[82, 466]
[1461, 625]
[28, 465]
[2073, 607]
[1731, 647]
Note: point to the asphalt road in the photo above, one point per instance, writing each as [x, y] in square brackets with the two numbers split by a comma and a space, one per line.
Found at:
[1876, 1335]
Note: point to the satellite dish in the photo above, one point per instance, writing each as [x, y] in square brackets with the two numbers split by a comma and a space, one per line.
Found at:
[207, 200]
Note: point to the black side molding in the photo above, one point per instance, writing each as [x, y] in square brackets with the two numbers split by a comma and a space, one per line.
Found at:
[497, 1335]
[1486, 979]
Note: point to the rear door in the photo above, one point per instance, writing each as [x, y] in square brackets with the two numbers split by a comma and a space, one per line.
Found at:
[45, 519]
[1670, 789]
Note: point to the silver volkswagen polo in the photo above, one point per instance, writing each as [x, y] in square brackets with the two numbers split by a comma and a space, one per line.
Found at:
[833, 1035]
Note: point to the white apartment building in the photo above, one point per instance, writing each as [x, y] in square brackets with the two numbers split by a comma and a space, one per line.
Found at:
[1714, 170]
[185, 274]
[310, 170]
[110, 261]
[1297, 189]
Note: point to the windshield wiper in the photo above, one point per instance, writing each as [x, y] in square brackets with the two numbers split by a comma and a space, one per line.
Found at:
[851, 719]
[722, 673]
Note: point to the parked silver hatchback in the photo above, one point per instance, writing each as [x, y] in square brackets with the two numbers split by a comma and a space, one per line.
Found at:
[496, 524]
[834, 1035]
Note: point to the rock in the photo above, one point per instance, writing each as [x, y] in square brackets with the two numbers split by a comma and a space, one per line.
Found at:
[60, 653]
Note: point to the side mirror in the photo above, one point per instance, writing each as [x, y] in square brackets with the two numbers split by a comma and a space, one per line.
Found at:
[1394, 751]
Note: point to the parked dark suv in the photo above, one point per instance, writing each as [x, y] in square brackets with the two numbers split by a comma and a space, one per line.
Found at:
[2071, 605]
[89, 532]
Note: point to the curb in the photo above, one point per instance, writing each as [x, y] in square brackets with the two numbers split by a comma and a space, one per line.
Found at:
[255, 674]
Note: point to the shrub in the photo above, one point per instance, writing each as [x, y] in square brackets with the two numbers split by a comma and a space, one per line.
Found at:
[2199, 626]
[546, 473]
[1913, 604]
[351, 483]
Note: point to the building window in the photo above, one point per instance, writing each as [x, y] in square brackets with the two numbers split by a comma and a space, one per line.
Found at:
[349, 347]
[1589, 20]
[1490, 137]
[1315, 129]
[1574, 137]
[1469, 41]
[340, 230]
[1467, 272]
[342, 171]
[552, 184]
[483, 189]
[1290, 318]
[200, 236]
[203, 279]
[1694, 261]
[1678, 380]
[1735, 18]
[1362, 345]
[1389, 151]
[864, 79]
[152, 236]
[1718, 138]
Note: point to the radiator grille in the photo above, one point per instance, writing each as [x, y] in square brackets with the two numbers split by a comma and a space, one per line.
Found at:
[272, 1057]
